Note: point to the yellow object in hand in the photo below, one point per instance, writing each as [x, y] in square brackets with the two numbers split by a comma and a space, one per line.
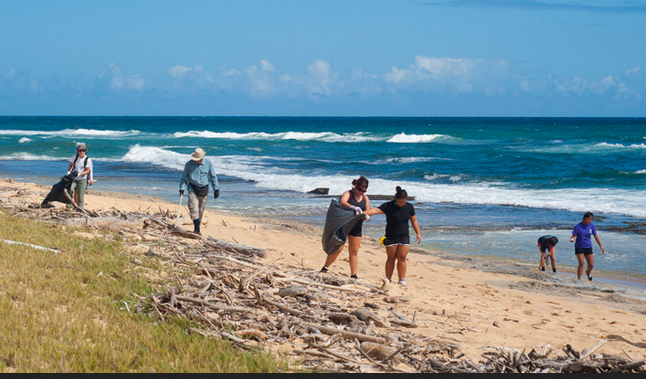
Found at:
[381, 240]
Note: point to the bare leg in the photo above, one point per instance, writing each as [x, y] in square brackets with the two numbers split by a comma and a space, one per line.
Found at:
[353, 247]
[402, 252]
[590, 259]
[332, 257]
[579, 270]
[541, 263]
[391, 252]
[552, 255]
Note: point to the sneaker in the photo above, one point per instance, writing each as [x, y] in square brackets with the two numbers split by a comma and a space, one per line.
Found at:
[543, 269]
[554, 269]
[402, 282]
[324, 269]
[354, 276]
[589, 276]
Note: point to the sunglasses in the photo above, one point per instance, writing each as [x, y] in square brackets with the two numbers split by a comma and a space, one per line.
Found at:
[362, 189]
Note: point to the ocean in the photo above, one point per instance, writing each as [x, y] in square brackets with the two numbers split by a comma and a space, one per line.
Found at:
[482, 187]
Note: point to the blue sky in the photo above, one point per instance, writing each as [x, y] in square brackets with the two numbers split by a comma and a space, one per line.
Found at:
[323, 58]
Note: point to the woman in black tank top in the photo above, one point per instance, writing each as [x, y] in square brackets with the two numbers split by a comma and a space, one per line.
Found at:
[356, 197]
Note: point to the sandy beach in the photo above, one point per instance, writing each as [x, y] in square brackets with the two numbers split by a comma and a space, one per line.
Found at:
[473, 304]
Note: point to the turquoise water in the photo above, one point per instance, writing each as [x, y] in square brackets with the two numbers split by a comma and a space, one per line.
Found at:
[482, 186]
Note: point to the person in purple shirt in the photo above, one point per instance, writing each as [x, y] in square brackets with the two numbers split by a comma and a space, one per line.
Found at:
[583, 233]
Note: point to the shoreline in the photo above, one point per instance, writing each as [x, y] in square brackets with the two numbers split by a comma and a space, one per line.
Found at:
[501, 265]
[472, 303]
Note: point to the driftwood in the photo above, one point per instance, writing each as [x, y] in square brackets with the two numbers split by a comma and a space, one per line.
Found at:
[331, 324]
[30, 245]
[219, 244]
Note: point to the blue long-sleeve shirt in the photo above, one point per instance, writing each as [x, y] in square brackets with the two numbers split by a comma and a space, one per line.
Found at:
[198, 175]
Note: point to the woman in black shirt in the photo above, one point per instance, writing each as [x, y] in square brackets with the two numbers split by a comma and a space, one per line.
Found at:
[398, 212]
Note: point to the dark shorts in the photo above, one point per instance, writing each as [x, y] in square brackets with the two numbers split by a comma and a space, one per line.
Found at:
[404, 240]
[582, 250]
[357, 230]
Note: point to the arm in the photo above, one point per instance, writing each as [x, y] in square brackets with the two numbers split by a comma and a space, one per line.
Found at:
[413, 220]
[183, 181]
[213, 178]
[373, 211]
[596, 237]
[344, 199]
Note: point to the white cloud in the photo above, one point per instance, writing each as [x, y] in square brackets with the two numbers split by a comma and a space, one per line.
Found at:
[633, 71]
[457, 75]
[113, 79]
[610, 85]
[178, 72]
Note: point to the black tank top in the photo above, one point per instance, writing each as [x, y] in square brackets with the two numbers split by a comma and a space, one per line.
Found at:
[361, 204]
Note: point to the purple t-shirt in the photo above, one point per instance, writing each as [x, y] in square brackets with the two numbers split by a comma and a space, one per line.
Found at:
[583, 235]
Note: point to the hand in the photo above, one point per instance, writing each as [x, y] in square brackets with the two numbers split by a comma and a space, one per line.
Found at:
[181, 192]
[365, 217]
[419, 239]
[69, 172]
[572, 238]
[357, 210]
[216, 194]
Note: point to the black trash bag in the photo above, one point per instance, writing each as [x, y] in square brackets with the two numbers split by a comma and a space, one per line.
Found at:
[338, 223]
[58, 191]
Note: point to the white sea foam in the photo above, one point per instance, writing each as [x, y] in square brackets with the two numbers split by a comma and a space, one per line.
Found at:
[620, 146]
[24, 140]
[261, 171]
[417, 138]
[640, 172]
[297, 136]
[156, 156]
[72, 133]
[29, 157]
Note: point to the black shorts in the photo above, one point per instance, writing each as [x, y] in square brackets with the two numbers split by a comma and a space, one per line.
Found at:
[357, 230]
[403, 240]
[583, 250]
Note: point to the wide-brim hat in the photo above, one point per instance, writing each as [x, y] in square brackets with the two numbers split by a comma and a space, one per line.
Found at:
[198, 154]
[81, 146]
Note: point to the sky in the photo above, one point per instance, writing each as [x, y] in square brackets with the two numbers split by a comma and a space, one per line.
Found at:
[502, 58]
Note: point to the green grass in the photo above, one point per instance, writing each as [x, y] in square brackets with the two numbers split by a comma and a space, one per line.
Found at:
[58, 313]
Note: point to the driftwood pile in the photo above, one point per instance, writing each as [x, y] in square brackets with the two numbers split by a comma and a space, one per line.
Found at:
[325, 323]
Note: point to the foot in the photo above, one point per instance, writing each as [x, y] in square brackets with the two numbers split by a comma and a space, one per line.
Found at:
[324, 269]
[589, 275]
[554, 269]
[354, 277]
[402, 282]
[542, 268]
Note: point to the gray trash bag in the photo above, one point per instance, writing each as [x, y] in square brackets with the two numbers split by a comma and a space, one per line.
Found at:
[338, 223]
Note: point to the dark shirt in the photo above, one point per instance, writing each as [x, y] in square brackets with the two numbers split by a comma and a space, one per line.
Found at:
[397, 218]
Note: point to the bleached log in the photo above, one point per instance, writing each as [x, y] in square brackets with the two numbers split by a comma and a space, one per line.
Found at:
[235, 247]
[30, 245]
[345, 333]
[213, 305]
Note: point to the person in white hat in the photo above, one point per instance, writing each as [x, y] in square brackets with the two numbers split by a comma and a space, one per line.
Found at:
[197, 175]
[81, 165]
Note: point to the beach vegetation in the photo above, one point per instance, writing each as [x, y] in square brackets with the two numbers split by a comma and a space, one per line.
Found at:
[75, 311]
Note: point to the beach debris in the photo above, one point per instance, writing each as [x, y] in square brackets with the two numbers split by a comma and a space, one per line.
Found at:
[30, 245]
[328, 323]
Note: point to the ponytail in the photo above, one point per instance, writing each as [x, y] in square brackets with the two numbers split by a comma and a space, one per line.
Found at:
[401, 193]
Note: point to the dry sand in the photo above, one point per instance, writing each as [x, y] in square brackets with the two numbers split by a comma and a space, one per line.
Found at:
[473, 304]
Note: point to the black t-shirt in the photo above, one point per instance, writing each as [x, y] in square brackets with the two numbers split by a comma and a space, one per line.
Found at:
[397, 218]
